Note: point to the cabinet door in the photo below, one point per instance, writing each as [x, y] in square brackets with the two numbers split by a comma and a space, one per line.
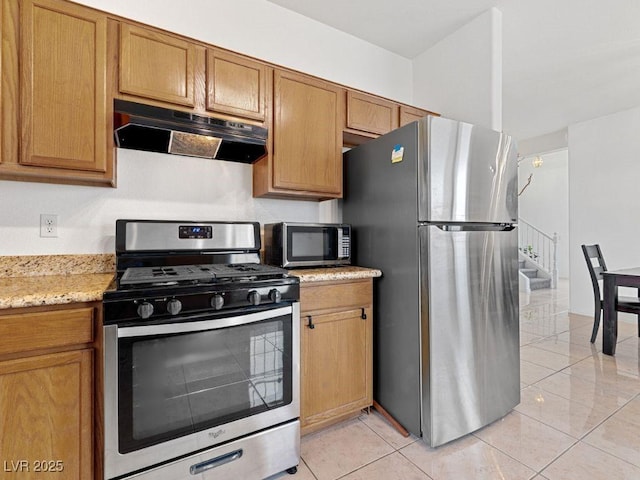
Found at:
[64, 113]
[46, 416]
[336, 365]
[157, 66]
[371, 114]
[411, 114]
[236, 85]
[307, 134]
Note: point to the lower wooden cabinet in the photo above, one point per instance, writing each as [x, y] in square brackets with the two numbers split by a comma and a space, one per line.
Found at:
[46, 393]
[336, 351]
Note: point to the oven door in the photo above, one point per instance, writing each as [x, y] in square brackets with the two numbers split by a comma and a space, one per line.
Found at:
[177, 388]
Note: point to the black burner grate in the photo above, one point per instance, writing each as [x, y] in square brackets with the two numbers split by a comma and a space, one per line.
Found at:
[139, 276]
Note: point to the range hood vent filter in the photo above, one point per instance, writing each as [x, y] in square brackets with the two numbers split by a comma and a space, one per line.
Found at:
[156, 129]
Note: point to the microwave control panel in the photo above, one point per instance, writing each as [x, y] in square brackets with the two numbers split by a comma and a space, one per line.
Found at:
[344, 242]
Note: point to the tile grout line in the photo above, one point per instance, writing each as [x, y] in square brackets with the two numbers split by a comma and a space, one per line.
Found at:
[581, 438]
[536, 472]
[395, 450]
[413, 463]
[367, 464]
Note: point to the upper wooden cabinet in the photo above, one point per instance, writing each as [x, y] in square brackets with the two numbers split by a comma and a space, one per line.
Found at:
[367, 113]
[306, 156]
[56, 114]
[236, 85]
[158, 66]
[62, 64]
[411, 114]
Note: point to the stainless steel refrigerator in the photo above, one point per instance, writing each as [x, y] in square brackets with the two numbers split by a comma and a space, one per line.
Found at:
[434, 205]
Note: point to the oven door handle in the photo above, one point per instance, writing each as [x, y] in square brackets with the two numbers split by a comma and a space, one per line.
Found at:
[198, 326]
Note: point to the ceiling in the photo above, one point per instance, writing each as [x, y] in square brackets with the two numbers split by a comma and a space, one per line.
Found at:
[564, 61]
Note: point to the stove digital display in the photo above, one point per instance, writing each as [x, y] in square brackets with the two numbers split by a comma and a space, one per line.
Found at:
[195, 231]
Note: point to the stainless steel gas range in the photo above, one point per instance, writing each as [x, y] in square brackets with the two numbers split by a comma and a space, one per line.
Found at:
[201, 345]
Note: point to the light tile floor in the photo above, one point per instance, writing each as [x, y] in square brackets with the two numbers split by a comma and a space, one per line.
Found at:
[579, 417]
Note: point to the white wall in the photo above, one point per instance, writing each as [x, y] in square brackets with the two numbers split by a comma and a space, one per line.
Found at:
[545, 202]
[150, 185]
[161, 186]
[267, 31]
[461, 76]
[549, 142]
[604, 169]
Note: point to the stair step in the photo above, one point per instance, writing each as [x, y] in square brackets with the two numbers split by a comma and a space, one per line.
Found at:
[530, 272]
[539, 283]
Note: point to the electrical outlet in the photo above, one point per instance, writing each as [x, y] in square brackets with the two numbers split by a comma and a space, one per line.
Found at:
[48, 225]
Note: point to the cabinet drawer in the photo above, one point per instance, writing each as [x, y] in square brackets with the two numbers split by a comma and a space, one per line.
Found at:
[327, 296]
[25, 332]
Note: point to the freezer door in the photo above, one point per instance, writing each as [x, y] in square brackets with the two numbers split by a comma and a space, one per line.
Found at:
[466, 173]
[470, 329]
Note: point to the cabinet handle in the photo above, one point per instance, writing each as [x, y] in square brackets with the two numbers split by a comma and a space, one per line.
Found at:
[363, 315]
[310, 324]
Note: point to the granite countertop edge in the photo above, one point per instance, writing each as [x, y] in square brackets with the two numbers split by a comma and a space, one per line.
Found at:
[335, 273]
[39, 280]
[33, 281]
[20, 292]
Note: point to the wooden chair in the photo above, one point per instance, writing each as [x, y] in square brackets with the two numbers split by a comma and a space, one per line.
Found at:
[596, 265]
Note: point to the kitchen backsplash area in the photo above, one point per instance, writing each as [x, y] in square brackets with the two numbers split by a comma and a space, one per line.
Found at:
[150, 185]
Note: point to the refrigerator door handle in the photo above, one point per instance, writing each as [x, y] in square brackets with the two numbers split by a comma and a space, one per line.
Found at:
[500, 227]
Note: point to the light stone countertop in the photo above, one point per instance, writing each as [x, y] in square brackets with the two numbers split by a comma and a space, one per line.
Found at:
[39, 265]
[16, 292]
[307, 275]
[35, 280]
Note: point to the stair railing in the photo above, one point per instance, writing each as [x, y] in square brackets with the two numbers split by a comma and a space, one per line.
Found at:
[540, 248]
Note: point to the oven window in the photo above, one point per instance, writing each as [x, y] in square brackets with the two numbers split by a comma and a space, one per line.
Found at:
[174, 385]
[312, 243]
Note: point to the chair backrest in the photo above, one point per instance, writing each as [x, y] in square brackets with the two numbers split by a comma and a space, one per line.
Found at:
[596, 265]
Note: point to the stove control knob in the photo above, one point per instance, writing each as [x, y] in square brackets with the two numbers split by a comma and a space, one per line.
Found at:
[254, 297]
[145, 310]
[174, 306]
[275, 296]
[217, 302]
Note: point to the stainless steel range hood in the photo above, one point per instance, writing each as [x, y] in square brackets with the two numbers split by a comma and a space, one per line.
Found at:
[156, 129]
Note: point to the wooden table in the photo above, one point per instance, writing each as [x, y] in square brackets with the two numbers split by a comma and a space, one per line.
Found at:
[628, 277]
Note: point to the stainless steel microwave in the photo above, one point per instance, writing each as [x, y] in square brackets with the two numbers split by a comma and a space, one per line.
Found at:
[292, 245]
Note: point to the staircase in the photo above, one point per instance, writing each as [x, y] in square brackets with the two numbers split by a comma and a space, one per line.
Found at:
[535, 282]
[538, 257]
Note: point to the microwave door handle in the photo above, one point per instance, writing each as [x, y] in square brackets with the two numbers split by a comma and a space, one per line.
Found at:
[199, 326]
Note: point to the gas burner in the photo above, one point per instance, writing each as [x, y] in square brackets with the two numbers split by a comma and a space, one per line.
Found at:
[137, 277]
[167, 275]
[168, 269]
